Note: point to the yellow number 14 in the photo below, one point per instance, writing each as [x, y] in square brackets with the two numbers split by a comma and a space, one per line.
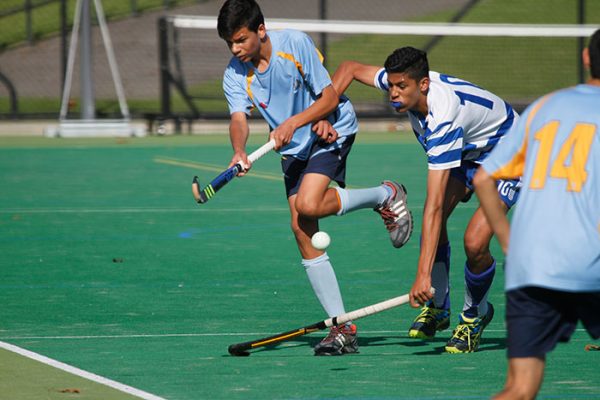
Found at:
[575, 148]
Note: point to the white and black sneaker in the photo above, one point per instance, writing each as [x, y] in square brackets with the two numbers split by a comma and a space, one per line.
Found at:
[340, 340]
[396, 216]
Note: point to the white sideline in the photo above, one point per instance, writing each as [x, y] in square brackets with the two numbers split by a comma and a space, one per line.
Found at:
[79, 372]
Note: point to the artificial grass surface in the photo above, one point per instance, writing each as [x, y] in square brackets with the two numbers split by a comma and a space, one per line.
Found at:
[107, 264]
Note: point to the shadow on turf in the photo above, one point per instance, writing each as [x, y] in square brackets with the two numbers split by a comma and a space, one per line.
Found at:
[487, 344]
[490, 344]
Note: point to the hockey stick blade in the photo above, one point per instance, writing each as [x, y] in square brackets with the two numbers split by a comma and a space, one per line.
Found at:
[199, 195]
[202, 195]
[241, 349]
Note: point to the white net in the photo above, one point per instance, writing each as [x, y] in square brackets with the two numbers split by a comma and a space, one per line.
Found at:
[517, 62]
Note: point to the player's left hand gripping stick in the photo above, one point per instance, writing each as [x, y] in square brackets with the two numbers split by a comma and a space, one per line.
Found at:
[203, 195]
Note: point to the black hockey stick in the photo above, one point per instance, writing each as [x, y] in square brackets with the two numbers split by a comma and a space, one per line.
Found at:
[241, 349]
[204, 194]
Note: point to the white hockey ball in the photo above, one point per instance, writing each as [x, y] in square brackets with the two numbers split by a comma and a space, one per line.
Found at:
[320, 240]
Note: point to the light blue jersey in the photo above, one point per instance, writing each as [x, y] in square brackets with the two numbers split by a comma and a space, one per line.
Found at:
[292, 82]
[555, 231]
[464, 122]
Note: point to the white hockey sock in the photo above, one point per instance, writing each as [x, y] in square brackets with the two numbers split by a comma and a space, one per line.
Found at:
[355, 199]
[324, 283]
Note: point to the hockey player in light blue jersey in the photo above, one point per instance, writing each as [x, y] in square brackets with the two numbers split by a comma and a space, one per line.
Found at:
[457, 123]
[280, 73]
[553, 258]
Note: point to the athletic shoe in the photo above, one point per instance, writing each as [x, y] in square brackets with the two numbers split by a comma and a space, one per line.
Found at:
[429, 322]
[339, 341]
[396, 216]
[467, 335]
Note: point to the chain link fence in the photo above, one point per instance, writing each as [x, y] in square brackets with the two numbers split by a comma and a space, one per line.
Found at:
[35, 34]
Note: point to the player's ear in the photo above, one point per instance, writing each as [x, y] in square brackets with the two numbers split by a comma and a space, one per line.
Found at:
[262, 32]
[424, 84]
[585, 56]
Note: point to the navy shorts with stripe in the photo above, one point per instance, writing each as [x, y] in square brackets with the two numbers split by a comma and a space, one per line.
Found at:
[324, 158]
[508, 189]
[539, 318]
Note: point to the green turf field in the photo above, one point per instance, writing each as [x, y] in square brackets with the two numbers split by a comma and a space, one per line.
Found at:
[108, 265]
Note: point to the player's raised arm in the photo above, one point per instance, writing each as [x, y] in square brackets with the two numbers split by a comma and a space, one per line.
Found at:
[325, 104]
[320, 109]
[349, 71]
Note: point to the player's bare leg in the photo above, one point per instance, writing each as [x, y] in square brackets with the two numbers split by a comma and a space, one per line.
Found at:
[389, 200]
[480, 269]
[315, 198]
[316, 262]
[312, 198]
[478, 236]
[523, 380]
[479, 262]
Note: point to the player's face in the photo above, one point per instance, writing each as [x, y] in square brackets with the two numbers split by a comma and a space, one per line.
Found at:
[245, 44]
[404, 91]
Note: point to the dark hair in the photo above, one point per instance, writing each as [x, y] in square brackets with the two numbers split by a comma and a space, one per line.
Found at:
[410, 61]
[237, 14]
[594, 50]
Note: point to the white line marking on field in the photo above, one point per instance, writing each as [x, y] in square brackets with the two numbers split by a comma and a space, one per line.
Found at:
[175, 335]
[79, 372]
[134, 336]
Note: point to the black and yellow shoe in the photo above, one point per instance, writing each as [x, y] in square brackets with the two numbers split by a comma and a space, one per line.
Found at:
[429, 322]
[467, 334]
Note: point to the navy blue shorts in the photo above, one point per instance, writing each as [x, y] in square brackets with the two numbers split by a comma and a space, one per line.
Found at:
[325, 159]
[538, 318]
[507, 189]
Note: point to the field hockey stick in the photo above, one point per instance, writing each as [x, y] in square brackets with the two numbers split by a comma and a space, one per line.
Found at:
[240, 349]
[203, 195]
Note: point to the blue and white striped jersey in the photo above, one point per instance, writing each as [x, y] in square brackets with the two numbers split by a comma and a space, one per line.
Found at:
[292, 82]
[464, 122]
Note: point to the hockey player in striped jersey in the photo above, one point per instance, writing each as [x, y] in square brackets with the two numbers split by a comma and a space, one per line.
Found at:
[458, 124]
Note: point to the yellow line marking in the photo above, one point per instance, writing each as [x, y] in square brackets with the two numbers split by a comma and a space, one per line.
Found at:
[214, 168]
[220, 168]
